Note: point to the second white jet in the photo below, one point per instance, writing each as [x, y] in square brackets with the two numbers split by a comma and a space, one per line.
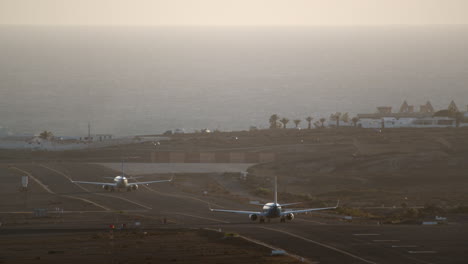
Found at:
[274, 210]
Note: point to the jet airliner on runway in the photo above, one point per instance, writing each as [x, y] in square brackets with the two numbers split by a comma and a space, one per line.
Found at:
[120, 182]
[274, 210]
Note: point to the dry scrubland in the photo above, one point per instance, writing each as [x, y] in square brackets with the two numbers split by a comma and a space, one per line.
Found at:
[362, 167]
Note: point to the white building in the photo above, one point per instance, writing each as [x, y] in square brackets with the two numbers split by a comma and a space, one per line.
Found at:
[408, 117]
[393, 122]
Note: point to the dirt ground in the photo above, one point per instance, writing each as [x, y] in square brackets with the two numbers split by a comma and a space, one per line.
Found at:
[129, 246]
[363, 168]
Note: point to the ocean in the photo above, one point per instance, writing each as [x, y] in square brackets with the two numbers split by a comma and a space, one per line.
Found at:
[146, 80]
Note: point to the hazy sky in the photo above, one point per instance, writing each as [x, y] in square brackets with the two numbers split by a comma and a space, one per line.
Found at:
[233, 12]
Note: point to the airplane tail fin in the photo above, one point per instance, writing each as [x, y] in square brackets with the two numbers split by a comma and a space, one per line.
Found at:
[276, 190]
[123, 175]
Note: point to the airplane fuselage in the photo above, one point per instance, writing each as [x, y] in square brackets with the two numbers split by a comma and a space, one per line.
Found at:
[272, 210]
[121, 182]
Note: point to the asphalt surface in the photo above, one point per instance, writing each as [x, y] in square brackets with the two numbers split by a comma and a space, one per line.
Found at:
[314, 238]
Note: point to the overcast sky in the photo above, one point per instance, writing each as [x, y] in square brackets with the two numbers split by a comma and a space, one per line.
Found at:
[233, 12]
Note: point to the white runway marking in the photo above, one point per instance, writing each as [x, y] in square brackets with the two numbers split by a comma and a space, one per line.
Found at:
[310, 221]
[68, 196]
[321, 244]
[200, 217]
[124, 199]
[404, 246]
[179, 196]
[35, 179]
[64, 175]
[422, 252]
[302, 259]
[88, 201]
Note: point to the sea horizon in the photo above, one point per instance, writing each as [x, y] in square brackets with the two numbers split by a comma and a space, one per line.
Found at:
[145, 80]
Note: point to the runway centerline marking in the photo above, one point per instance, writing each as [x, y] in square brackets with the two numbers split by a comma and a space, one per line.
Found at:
[179, 196]
[404, 246]
[200, 217]
[125, 199]
[88, 201]
[51, 192]
[64, 175]
[310, 221]
[320, 244]
[423, 252]
[35, 179]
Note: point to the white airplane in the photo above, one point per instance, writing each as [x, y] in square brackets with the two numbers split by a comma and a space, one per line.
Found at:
[274, 210]
[121, 182]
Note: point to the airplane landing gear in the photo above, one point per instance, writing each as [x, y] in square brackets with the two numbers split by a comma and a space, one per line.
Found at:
[283, 220]
[262, 220]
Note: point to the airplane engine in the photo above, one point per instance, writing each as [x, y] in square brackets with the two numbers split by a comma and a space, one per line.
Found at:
[135, 187]
[253, 217]
[105, 187]
[290, 216]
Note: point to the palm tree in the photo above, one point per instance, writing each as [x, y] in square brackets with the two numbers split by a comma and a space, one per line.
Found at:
[322, 120]
[309, 121]
[336, 117]
[284, 121]
[46, 135]
[355, 120]
[297, 122]
[274, 121]
[345, 117]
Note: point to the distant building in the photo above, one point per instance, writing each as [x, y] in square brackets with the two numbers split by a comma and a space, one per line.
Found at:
[405, 108]
[103, 137]
[384, 109]
[452, 107]
[427, 108]
[406, 111]
[407, 117]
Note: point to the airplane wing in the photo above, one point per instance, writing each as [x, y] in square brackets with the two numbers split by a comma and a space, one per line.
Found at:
[147, 182]
[290, 204]
[236, 211]
[309, 210]
[96, 183]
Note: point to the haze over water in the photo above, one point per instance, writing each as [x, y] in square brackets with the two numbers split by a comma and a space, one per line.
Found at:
[142, 80]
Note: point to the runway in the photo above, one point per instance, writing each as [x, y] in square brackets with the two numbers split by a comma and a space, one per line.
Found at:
[314, 238]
